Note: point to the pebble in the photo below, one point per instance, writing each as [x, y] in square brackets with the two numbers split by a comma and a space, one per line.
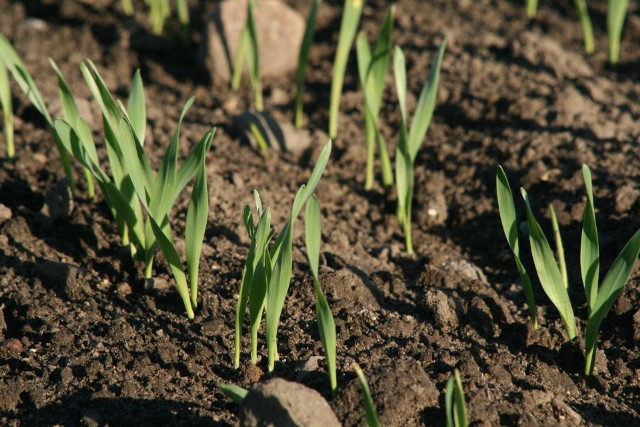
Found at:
[124, 289]
[5, 213]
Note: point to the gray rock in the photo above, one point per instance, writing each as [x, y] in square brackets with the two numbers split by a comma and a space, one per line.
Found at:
[279, 32]
[278, 136]
[67, 278]
[441, 309]
[58, 202]
[5, 213]
[283, 403]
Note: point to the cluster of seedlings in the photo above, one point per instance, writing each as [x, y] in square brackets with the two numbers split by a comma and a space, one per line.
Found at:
[141, 199]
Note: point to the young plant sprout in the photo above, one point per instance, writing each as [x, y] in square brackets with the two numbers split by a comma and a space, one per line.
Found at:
[371, 415]
[455, 404]
[600, 297]
[348, 26]
[234, 392]
[510, 227]
[248, 46]
[267, 272]
[616, 13]
[26, 83]
[326, 324]
[127, 7]
[303, 59]
[532, 8]
[411, 139]
[587, 28]
[7, 108]
[373, 69]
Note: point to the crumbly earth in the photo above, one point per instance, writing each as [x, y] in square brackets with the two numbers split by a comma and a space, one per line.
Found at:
[84, 341]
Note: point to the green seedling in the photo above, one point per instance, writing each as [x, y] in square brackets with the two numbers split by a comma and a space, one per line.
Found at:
[587, 28]
[7, 108]
[159, 11]
[267, 272]
[127, 7]
[371, 415]
[455, 404]
[616, 13]
[28, 86]
[348, 26]
[127, 162]
[600, 297]
[326, 324]
[233, 392]
[373, 69]
[410, 140]
[510, 227]
[248, 46]
[532, 8]
[303, 60]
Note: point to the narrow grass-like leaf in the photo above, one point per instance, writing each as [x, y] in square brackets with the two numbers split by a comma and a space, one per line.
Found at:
[510, 226]
[562, 263]
[589, 245]
[348, 26]
[426, 104]
[136, 107]
[326, 323]
[616, 13]
[303, 59]
[7, 108]
[455, 404]
[400, 77]
[371, 415]
[195, 227]
[585, 22]
[612, 286]
[233, 392]
[171, 255]
[127, 7]
[243, 45]
[548, 271]
[254, 58]
[532, 8]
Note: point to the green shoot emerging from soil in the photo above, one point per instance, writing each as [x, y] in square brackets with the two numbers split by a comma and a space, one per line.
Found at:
[373, 69]
[26, 83]
[371, 415]
[303, 60]
[326, 324]
[267, 272]
[455, 404]
[348, 26]
[7, 108]
[233, 392]
[248, 46]
[585, 21]
[410, 140]
[616, 13]
[553, 276]
[510, 227]
[532, 8]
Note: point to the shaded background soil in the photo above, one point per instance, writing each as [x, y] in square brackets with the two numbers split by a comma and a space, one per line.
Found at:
[82, 339]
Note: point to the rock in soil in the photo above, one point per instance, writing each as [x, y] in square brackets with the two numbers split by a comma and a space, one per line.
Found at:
[5, 213]
[278, 136]
[58, 203]
[281, 403]
[279, 32]
[62, 277]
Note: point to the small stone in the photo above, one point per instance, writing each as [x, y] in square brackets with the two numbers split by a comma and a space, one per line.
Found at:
[124, 289]
[66, 375]
[63, 277]
[312, 364]
[58, 202]
[11, 347]
[5, 213]
[255, 126]
[566, 410]
[156, 284]
[440, 309]
[283, 403]
[279, 33]
[212, 327]
[40, 159]
[468, 270]
[252, 373]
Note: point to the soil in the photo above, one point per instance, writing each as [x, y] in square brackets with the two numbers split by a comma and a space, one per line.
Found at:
[83, 341]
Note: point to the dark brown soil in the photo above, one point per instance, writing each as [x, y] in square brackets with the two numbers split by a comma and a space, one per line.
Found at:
[81, 340]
